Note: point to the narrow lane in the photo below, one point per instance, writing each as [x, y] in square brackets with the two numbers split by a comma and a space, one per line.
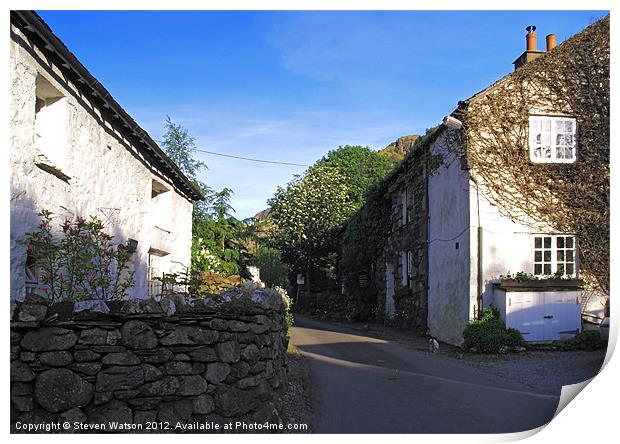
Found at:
[367, 385]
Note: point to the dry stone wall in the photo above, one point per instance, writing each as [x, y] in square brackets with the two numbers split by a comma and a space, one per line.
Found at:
[140, 366]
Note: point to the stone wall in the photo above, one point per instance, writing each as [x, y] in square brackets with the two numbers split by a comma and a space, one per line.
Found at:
[210, 362]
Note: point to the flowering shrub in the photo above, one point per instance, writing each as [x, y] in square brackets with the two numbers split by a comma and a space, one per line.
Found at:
[82, 263]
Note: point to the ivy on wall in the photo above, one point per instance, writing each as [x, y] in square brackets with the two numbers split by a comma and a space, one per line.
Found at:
[571, 80]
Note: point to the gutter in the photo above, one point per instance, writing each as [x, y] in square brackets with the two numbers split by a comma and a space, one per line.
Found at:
[33, 25]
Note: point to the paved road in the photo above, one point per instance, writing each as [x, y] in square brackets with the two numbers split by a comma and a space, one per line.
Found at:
[366, 385]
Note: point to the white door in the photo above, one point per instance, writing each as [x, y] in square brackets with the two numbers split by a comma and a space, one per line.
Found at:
[562, 315]
[389, 291]
[525, 312]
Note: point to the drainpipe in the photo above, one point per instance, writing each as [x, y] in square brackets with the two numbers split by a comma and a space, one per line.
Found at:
[480, 288]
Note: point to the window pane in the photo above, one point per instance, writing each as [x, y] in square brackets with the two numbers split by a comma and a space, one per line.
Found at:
[547, 125]
[569, 242]
[547, 269]
[568, 126]
[560, 242]
[561, 268]
[538, 256]
[569, 256]
[560, 256]
[547, 255]
[570, 269]
[538, 242]
[538, 269]
[547, 242]
[559, 126]
[568, 153]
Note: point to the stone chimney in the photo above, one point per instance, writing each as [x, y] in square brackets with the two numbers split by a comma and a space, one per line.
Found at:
[551, 42]
[530, 48]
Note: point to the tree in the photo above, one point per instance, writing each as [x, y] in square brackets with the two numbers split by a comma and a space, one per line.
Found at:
[361, 167]
[214, 230]
[307, 213]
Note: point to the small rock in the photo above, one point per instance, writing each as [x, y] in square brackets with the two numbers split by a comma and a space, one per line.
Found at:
[151, 373]
[31, 313]
[138, 335]
[21, 372]
[91, 306]
[87, 368]
[168, 307]
[119, 378]
[73, 415]
[113, 411]
[86, 356]
[60, 389]
[23, 403]
[48, 339]
[21, 388]
[229, 352]
[144, 417]
[123, 358]
[238, 326]
[178, 368]
[187, 335]
[203, 405]
[93, 336]
[56, 359]
[114, 337]
[217, 372]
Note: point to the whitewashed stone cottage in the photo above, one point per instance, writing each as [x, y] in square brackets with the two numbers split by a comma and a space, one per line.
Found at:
[76, 152]
[451, 238]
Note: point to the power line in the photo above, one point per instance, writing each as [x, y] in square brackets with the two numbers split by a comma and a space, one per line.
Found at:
[250, 159]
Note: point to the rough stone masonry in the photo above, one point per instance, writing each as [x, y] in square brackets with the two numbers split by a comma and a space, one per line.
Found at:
[209, 362]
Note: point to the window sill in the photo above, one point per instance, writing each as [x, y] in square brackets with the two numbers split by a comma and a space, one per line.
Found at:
[43, 163]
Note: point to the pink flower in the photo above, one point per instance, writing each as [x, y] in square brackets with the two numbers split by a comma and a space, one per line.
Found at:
[31, 249]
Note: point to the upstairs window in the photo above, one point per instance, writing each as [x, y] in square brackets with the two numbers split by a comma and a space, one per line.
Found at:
[50, 125]
[555, 255]
[553, 139]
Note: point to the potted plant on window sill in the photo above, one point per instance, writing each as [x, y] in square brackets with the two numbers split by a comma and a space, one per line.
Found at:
[523, 280]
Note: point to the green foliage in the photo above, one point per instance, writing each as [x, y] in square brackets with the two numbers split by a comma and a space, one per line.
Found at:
[489, 333]
[82, 263]
[366, 231]
[307, 214]
[216, 244]
[589, 340]
[361, 168]
[273, 272]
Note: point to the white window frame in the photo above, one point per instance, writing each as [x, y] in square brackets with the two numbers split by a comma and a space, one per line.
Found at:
[553, 139]
[553, 259]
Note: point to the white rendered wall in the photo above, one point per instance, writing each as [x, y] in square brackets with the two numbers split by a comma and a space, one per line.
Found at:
[107, 180]
[449, 270]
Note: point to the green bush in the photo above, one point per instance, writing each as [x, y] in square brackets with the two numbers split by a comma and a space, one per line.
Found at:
[489, 333]
[588, 340]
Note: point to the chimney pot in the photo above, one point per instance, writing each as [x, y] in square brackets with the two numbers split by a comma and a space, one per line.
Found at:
[530, 38]
[551, 42]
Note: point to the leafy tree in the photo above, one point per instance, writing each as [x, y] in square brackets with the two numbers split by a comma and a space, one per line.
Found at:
[307, 213]
[215, 246]
[361, 167]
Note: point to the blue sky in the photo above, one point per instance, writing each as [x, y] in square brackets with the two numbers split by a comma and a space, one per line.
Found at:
[290, 86]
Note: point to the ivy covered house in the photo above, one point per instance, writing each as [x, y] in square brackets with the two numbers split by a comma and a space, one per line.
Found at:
[514, 183]
[76, 152]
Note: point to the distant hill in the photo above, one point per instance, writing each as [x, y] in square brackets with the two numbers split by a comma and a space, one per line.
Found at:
[400, 147]
[263, 214]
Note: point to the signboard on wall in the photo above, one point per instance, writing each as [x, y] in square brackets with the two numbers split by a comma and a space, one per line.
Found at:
[363, 279]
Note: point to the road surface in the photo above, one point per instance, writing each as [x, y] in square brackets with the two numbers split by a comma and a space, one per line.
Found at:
[367, 385]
